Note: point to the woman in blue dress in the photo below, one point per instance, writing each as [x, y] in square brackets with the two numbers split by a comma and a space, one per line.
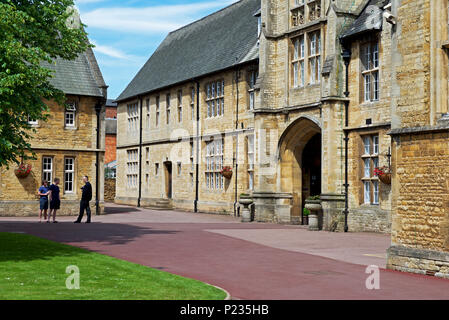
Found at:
[44, 191]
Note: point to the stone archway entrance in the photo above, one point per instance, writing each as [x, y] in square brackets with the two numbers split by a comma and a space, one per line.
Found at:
[300, 164]
[311, 170]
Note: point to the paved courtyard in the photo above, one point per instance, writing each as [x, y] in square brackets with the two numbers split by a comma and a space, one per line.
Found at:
[251, 261]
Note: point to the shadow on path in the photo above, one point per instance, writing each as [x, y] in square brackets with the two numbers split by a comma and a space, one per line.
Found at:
[109, 209]
[99, 233]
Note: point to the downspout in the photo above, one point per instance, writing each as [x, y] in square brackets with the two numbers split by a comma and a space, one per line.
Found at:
[237, 78]
[140, 152]
[197, 174]
[98, 108]
[346, 55]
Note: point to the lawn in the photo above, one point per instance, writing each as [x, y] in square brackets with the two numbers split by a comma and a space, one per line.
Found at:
[35, 269]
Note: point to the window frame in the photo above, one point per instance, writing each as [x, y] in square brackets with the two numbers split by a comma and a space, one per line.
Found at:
[148, 103]
[132, 171]
[168, 108]
[314, 56]
[132, 111]
[370, 182]
[72, 172]
[215, 96]
[298, 61]
[70, 113]
[369, 52]
[250, 160]
[180, 115]
[47, 171]
[214, 164]
[252, 79]
[157, 111]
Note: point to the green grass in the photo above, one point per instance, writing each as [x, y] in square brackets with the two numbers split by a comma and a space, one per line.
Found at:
[35, 269]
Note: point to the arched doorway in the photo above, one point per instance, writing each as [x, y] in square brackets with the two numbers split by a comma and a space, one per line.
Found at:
[311, 170]
[300, 164]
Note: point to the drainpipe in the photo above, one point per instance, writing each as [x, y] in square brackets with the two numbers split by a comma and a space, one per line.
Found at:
[197, 174]
[139, 199]
[237, 77]
[346, 55]
[98, 108]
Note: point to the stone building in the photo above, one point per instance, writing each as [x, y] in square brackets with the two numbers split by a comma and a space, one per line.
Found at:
[420, 135]
[67, 146]
[301, 120]
[283, 126]
[188, 114]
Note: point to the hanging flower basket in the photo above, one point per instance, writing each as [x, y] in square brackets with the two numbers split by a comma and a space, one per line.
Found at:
[383, 174]
[226, 172]
[23, 171]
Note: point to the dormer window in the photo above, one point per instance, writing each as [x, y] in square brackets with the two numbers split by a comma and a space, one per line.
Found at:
[70, 115]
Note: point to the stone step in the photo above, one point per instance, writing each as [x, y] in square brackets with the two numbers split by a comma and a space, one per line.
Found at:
[161, 205]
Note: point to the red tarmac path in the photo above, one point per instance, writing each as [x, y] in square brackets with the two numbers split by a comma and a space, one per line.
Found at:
[251, 261]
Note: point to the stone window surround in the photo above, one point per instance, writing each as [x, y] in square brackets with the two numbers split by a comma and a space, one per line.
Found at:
[157, 111]
[369, 40]
[192, 101]
[250, 153]
[373, 157]
[168, 107]
[132, 110]
[70, 113]
[298, 61]
[252, 79]
[215, 98]
[179, 96]
[132, 168]
[214, 163]
[307, 57]
[47, 173]
[67, 173]
[148, 104]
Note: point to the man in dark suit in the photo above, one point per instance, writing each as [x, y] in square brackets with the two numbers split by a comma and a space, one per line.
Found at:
[85, 199]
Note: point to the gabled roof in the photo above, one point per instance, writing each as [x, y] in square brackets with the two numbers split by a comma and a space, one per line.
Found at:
[371, 19]
[221, 40]
[81, 76]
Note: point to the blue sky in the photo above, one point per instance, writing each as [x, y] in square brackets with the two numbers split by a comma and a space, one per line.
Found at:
[127, 32]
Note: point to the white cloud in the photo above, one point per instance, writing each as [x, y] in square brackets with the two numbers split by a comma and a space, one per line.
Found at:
[148, 20]
[114, 53]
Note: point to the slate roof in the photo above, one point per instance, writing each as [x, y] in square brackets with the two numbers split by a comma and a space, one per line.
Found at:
[111, 103]
[81, 76]
[371, 19]
[219, 41]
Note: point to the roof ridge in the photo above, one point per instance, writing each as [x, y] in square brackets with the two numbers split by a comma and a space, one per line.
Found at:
[205, 17]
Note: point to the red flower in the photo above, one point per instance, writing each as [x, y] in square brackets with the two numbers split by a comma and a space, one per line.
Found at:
[226, 169]
[381, 171]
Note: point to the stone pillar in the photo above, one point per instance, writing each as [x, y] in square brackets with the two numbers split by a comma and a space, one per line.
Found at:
[273, 207]
[333, 205]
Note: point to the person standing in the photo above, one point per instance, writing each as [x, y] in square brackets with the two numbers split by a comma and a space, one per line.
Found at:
[85, 199]
[43, 192]
[55, 201]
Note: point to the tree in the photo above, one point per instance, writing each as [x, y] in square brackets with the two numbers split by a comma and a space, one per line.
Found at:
[31, 32]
